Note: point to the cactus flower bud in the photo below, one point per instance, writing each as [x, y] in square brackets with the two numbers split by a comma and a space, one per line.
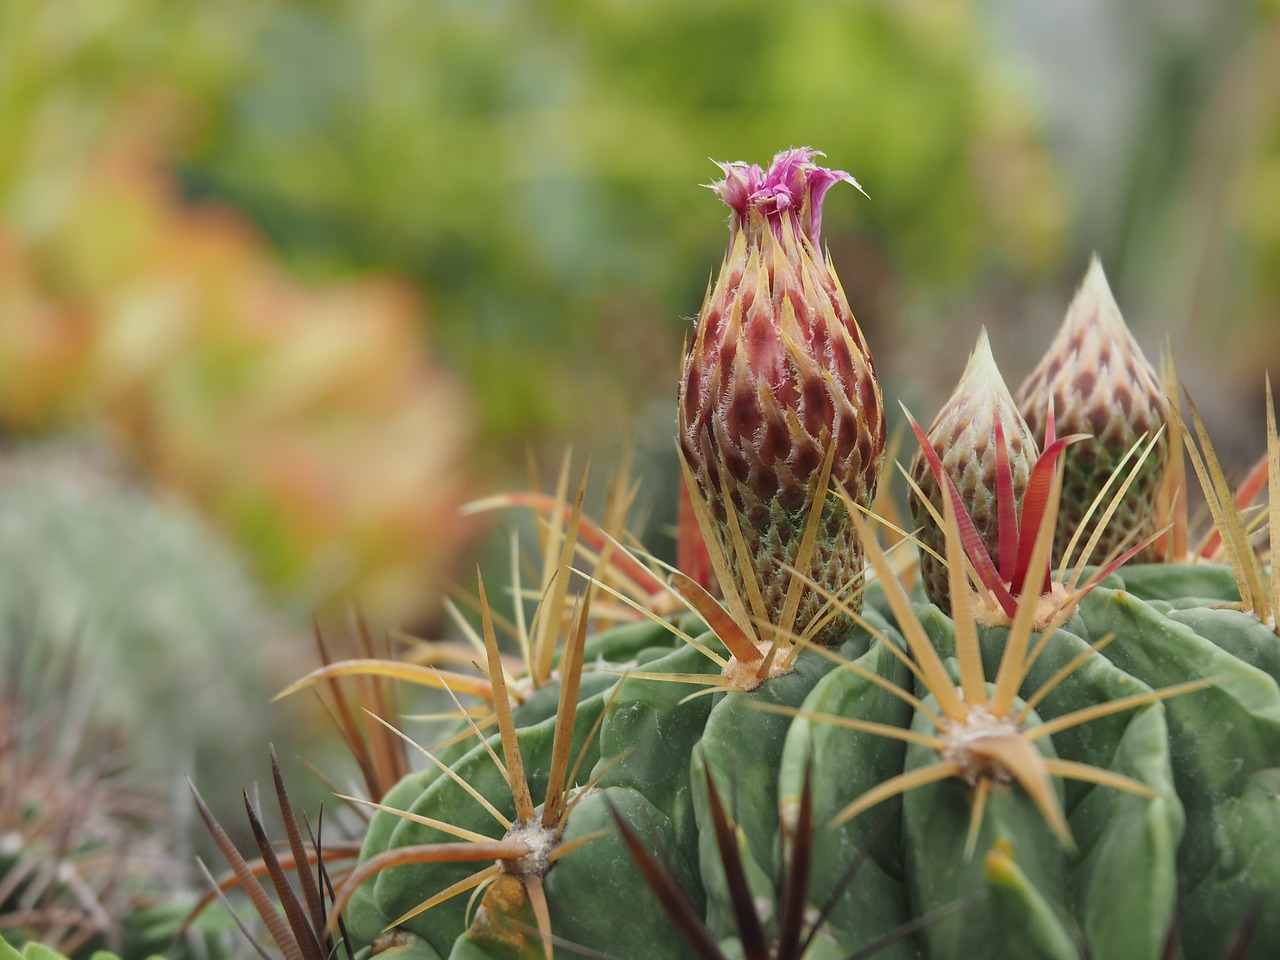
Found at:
[976, 432]
[777, 375]
[1099, 383]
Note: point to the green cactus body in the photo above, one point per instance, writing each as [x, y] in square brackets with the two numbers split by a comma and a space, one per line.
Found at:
[603, 874]
[1225, 747]
[1114, 895]
[398, 891]
[602, 877]
[749, 783]
[1123, 842]
[1028, 919]
[1096, 780]
[648, 737]
[1204, 584]
[849, 763]
[1034, 895]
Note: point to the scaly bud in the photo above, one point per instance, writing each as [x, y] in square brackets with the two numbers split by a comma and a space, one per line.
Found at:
[1099, 383]
[778, 374]
[973, 432]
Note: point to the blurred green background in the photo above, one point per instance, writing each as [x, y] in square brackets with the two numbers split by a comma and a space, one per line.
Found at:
[323, 271]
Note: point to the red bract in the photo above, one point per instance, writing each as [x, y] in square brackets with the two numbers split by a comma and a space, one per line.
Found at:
[1017, 529]
[1001, 490]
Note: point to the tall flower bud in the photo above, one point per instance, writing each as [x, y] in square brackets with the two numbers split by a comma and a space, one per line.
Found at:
[1101, 384]
[778, 374]
[976, 429]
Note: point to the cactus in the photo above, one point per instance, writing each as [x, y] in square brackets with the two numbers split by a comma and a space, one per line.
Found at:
[84, 863]
[1042, 759]
[74, 850]
[140, 581]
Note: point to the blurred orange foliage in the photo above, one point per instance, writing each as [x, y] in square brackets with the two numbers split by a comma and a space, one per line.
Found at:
[308, 420]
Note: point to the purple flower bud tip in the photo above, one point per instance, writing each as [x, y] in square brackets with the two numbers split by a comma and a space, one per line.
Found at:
[792, 186]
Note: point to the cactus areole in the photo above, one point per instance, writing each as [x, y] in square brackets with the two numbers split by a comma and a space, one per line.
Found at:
[778, 377]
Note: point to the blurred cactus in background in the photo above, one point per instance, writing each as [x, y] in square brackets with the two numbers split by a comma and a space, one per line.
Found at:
[182, 645]
[90, 858]
[78, 839]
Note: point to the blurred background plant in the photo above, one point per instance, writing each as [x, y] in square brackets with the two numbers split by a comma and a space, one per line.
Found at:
[307, 418]
[203, 209]
[88, 857]
[177, 645]
[320, 270]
